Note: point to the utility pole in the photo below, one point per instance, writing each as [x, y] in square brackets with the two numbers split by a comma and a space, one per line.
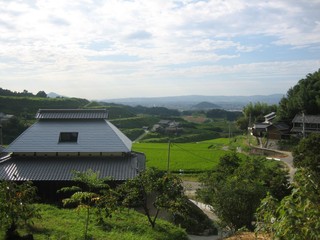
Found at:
[303, 127]
[168, 160]
[1, 135]
[249, 127]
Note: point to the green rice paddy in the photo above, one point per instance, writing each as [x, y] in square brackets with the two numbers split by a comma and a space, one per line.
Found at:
[184, 157]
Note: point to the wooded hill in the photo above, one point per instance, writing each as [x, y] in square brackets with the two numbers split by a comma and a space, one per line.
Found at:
[131, 120]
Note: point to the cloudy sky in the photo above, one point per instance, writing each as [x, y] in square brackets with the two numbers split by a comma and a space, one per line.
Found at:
[100, 49]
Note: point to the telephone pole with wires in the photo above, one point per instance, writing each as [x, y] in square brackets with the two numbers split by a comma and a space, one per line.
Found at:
[168, 159]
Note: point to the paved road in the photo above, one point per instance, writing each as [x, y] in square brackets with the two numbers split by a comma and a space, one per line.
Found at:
[289, 161]
[287, 158]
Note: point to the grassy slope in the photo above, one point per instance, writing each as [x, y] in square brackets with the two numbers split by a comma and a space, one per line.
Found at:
[68, 224]
[186, 156]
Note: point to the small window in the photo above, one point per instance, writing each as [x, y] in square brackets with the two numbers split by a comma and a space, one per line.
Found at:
[68, 137]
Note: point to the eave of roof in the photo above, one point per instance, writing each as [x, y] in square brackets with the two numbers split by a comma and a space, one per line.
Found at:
[61, 169]
[261, 125]
[307, 119]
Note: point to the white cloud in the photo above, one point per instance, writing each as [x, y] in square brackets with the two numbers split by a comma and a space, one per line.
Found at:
[111, 44]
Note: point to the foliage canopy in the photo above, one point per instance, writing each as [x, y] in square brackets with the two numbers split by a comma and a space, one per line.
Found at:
[16, 207]
[254, 112]
[296, 216]
[303, 97]
[235, 188]
[153, 191]
[91, 193]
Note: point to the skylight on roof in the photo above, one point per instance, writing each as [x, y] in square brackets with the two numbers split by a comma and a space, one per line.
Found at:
[68, 137]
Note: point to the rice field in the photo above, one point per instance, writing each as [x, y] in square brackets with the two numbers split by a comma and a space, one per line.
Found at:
[184, 157]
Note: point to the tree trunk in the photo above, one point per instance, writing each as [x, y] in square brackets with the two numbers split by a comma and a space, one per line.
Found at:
[87, 224]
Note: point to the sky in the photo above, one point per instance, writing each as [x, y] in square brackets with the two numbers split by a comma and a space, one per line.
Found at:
[104, 49]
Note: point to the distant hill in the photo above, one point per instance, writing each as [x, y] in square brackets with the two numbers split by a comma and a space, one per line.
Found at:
[186, 102]
[205, 106]
[54, 95]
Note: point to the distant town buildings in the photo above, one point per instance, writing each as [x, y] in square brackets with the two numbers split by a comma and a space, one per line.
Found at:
[167, 126]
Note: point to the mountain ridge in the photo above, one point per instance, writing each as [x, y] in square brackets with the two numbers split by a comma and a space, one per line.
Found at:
[186, 102]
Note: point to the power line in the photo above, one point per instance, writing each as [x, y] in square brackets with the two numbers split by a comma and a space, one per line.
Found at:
[192, 153]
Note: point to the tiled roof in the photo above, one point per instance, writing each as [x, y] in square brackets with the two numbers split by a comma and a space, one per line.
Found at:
[307, 119]
[93, 136]
[72, 114]
[261, 125]
[60, 169]
[281, 126]
[270, 115]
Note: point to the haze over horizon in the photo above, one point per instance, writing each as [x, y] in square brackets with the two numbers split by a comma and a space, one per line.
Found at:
[138, 48]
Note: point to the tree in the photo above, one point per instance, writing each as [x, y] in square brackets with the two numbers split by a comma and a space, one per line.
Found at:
[304, 96]
[296, 216]
[91, 193]
[154, 190]
[41, 94]
[25, 93]
[11, 129]
[254, 112]
[235, 188]
[16, 207]
[307, 153]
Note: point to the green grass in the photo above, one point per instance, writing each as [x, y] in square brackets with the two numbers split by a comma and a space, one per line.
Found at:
[68, 224]
[193, 157]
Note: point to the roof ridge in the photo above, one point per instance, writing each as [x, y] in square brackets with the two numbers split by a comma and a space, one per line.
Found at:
[86, 113]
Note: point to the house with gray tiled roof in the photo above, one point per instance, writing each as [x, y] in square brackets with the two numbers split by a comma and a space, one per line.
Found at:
[305, 124]
[269, 129]
[65, 140]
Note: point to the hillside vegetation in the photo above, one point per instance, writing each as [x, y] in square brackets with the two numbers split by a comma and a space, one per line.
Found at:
[133, 121]
[28, 106]
[68, 224]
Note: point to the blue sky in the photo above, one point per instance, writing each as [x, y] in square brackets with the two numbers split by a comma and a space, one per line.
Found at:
[142, 48]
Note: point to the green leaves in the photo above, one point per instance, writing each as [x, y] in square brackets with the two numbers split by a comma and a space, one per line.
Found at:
[304, 96]
[307, 153]
[16, 203]
[297, 215]
[154, 190]
[92, 192]
[235, 188]
[254, 112]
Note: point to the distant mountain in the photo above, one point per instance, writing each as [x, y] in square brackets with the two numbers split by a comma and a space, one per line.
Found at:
[205, 106]
[186, 102]
[53, 95]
